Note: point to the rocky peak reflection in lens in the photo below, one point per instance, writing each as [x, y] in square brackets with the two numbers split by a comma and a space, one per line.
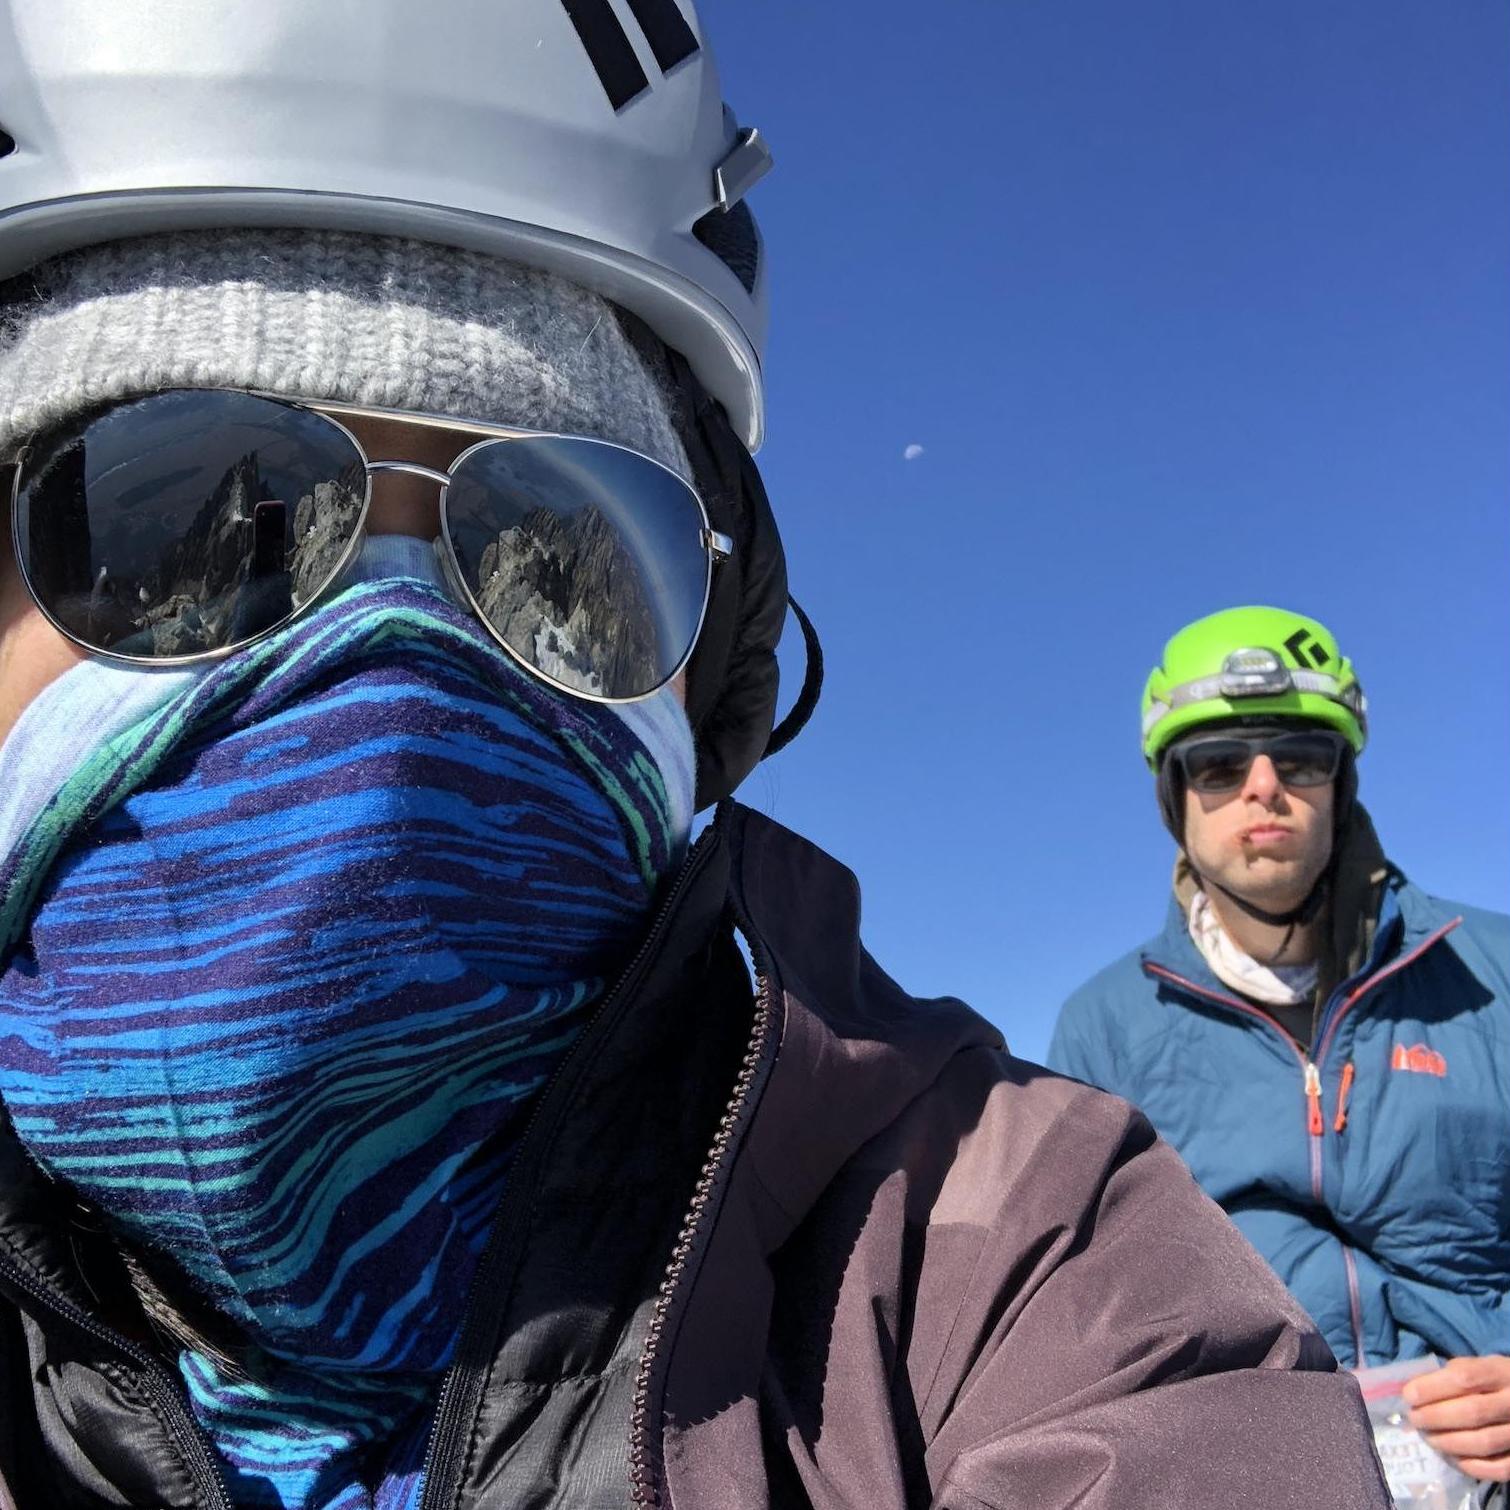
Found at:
[192, 540]
[585, 559]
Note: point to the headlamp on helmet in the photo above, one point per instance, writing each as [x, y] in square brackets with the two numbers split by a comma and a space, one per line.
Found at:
[1254, 673]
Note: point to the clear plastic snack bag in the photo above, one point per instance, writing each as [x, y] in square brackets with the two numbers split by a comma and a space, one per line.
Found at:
[1419, 1478]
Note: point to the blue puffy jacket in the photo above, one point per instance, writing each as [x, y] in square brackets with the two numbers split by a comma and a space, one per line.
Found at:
[1374, 1173]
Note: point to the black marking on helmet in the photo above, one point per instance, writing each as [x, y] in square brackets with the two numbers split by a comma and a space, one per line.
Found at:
[666, 30]
[1306, 650]
[7, 142]
[608, 50]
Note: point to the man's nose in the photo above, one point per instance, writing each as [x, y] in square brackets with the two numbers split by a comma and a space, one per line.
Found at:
[1262, 783]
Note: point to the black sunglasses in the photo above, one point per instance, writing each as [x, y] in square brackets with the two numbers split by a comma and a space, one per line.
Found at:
[182, 526]
[1220, 763]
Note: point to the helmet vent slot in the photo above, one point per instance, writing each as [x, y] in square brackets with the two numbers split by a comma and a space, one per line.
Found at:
[731, 236]
[7, 142]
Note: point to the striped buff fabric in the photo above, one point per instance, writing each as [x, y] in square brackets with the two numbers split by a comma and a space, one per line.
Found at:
[302, 946]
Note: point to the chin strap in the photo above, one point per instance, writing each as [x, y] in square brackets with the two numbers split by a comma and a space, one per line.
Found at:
[1296, 917]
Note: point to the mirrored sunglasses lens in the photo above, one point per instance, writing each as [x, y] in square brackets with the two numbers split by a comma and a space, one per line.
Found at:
[1305, 759]
[585, 559]
[1217, 765]
[186, 522]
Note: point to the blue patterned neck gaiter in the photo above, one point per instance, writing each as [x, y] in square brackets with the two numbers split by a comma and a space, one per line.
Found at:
[302, 946]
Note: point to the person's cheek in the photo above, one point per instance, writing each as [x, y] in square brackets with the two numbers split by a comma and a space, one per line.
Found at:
[32, 653]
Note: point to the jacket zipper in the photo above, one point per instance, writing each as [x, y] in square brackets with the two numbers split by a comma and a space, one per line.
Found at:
[1315, 1123]
[644, 1483]
[1309, 1071]
[1355, 1304]
[461, 1388]
[195, 1450]
[645, 1477]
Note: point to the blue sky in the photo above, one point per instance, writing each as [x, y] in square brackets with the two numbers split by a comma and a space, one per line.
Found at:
[1188, 304]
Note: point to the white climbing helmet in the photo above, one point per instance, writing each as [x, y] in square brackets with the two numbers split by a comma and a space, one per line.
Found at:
[586, 137]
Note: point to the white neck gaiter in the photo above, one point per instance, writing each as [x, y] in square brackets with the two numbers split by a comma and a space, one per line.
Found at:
[1275, 985]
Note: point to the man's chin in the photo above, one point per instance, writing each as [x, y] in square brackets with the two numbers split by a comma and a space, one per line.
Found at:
[1275, 884]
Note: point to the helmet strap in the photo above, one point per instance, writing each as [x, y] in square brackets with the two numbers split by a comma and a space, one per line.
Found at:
[1294, 917]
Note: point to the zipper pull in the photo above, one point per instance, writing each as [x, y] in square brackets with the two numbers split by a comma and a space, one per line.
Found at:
[1347, 1085]
[1313, 1101]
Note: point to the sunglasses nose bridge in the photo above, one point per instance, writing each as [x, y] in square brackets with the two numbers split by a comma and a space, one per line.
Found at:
[1262, 777]
[412, 469]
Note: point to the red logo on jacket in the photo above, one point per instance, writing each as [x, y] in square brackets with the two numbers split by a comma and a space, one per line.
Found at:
[1419, 1059]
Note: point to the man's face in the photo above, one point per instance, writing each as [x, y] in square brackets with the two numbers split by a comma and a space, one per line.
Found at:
[1265, 842]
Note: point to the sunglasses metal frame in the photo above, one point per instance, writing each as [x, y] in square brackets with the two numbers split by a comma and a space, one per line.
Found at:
[718, 547]
[1258, 745]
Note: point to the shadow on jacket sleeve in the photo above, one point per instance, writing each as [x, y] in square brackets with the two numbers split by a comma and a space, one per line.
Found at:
[1119, 1344]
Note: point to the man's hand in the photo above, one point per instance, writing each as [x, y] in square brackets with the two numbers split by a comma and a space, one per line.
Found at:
[1463, 1411]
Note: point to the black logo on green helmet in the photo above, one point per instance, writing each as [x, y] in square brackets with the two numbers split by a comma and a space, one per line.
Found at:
[1306, 649]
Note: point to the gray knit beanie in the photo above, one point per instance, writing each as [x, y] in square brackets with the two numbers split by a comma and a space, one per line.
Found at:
[391, 323]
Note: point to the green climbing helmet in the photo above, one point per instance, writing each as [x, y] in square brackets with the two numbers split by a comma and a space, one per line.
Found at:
[1251, 662]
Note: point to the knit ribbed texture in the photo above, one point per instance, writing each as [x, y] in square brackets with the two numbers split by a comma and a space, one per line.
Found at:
[393, 323]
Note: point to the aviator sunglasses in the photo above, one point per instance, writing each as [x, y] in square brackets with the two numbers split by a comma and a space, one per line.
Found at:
[179, 527]
[1220, 764]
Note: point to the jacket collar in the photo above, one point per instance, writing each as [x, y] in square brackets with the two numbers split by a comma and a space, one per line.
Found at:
[855, 1048]
[1406, 917]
